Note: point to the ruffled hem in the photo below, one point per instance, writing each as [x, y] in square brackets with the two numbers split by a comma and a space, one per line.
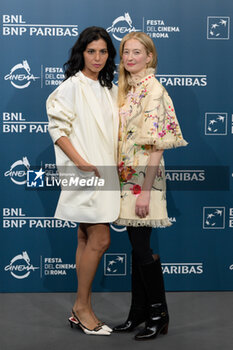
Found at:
[162, 144]
[151, 223]
[170, 144]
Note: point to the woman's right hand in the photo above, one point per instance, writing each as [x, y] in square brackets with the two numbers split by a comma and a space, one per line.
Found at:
[64, 143]
[142, 204]
[89, 168]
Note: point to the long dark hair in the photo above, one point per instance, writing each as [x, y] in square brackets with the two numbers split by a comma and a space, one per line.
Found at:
[76, 60]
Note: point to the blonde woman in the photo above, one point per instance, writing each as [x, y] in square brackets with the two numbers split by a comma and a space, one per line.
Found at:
[148, 126]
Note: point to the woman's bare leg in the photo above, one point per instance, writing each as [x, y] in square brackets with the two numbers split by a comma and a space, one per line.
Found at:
[88, 258]
[82, 241]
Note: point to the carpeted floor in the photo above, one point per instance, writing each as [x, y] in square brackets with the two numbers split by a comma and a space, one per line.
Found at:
[198, 321]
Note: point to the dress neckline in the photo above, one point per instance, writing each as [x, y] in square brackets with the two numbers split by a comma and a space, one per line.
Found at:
[138, 79]
[91, 81]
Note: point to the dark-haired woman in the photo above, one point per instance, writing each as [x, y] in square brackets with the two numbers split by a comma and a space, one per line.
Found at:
[83, 124]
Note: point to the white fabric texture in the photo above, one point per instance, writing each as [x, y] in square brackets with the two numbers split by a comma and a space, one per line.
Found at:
[75, 111]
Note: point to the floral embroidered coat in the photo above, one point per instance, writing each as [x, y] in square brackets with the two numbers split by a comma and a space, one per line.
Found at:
[147, 118]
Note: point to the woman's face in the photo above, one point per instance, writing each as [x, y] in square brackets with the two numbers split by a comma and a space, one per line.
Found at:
[135, 57]
[95, 57]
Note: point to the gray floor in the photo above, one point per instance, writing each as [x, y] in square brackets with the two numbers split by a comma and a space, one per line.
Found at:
[202, 321]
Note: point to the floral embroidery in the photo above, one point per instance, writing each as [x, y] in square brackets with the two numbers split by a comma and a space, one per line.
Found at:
[133, 97]
[146, 147]
[143, 81]
[148, 115]
[172, 127]
[162, 133]
[159, 175]
[136, 97]
[168, 126]
[136, 189]
[143, 93]
[129, 134]
[125, 172]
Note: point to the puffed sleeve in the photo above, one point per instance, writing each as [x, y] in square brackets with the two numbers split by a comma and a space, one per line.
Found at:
[159, 124]
[60, 112]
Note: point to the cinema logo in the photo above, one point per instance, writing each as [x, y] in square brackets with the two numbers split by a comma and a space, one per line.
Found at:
[18, 171]
[118, 228]
[182, 268]
[16, 218]
[15, 25]
[18, 123]
[20, 266]
[157, 28]
[20, 75]
[199, 80]
[121, 26]
[55, 267]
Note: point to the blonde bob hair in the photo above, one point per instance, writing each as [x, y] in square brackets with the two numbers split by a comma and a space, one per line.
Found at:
[123, 85]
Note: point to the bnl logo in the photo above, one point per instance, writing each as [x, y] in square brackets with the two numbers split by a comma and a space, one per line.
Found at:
[215, 123]
[115, 264]
[218, 28]
[35, 178]
[213, 218]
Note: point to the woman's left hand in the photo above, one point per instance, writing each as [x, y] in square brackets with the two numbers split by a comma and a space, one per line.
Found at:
[142, 204]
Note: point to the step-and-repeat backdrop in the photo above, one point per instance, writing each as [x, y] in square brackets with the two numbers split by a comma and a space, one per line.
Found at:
[194, 44]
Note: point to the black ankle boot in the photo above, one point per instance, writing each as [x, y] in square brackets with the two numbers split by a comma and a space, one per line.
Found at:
[157, 322]
[135, 318]
[139, 310]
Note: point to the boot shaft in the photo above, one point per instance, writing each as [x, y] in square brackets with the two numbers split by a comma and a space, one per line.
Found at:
[152, 277]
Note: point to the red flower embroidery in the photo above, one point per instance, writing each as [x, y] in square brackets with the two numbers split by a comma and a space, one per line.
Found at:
[136, 189]
[171, 126]
[162, 133]
[126, 173]
[121, 166]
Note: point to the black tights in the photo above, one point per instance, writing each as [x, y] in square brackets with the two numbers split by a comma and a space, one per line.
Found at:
[140, 240]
